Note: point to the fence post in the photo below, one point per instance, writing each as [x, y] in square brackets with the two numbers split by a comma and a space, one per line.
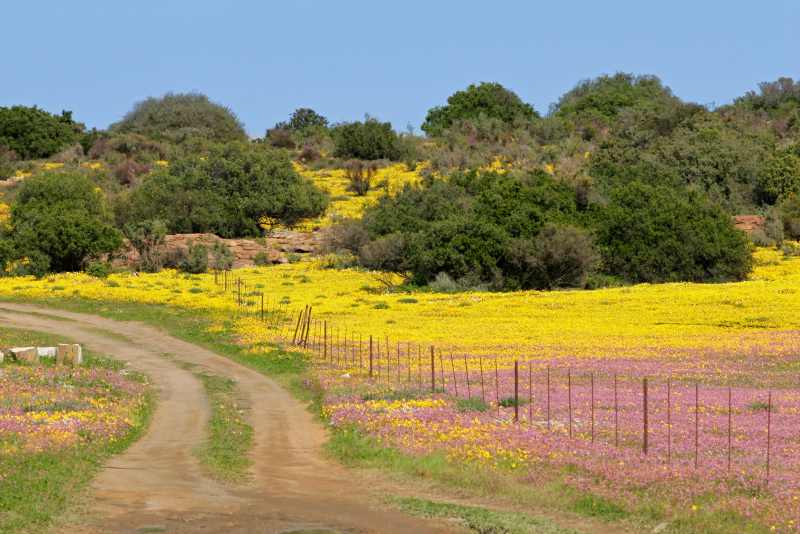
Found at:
[325, 340]
[370, 356]
[308, 327]
[297, 327]
[433, 371]
[262, 306]
[644, 412]
[453, 367]
[225, 277]
[516, 391]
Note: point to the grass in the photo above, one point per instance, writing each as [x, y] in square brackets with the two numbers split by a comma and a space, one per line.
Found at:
[357, 450]
[230, 437]
[36, 488]
[481, 520]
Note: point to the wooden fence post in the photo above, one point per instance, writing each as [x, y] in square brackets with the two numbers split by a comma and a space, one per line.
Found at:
[297, 326]
[370, 356]
[325, 340]
[530, 392]
[453, 367]
[466, 373]
[496, 386]
[483, 387]
[262, 306]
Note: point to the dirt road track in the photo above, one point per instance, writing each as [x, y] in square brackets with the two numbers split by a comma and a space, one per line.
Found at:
[157, 485]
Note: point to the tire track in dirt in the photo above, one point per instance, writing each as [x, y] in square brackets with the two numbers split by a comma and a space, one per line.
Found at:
[157, 485]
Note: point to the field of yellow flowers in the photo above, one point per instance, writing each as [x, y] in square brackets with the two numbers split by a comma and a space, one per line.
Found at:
[720, 359]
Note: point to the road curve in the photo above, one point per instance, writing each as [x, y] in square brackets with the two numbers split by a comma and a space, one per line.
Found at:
[157, 485]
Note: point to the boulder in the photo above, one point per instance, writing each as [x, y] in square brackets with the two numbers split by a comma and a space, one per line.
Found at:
[25, 354]
[69, 354]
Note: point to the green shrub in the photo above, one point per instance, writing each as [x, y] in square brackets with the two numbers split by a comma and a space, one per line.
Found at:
[473, 404]
[99, 269]
[659, 234]
[359, 175]
[261, 259]
[147, 238]
[559, 256]
[177, 117]
[231, 192]
[368, 140]
[489, 100]
[62, 217]
[33, 133]
[222, 257]
[281, 138]
[196, 259]
[304, 119]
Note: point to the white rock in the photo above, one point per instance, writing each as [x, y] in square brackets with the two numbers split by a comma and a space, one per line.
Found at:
[46, 352]
[25, 354]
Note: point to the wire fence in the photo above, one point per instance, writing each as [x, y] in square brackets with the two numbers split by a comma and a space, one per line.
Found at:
[740, 433]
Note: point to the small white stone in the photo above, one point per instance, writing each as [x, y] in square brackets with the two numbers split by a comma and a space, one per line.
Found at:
[46, 352]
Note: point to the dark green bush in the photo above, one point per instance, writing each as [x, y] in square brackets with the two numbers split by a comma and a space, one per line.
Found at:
[196, 259]
[62, 217]
[177, 117]
[99, 269]
[559, 256]
[368, 140]
[304, 119]
[780, 176]
[33, 133]
[790, 215]
[488, 100]
[659, 234]
[231, 192]
[261, 259]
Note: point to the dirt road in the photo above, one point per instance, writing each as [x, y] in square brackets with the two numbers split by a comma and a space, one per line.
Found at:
[157, 485]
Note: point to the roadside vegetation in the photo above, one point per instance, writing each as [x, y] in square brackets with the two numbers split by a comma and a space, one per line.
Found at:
[57, 427]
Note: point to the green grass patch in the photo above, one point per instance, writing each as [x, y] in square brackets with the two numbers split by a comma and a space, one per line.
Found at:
[478, 519]
[230, 438]
[473, 404]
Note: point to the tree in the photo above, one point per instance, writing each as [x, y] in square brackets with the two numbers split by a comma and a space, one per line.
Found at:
[780, 177]
[178, 117]
[232, 192]
[304, 119]
[660, 234]
[34, 133]
[62, 218]
[488, 100]
[148, 238]
[368, 140]
[605, 97]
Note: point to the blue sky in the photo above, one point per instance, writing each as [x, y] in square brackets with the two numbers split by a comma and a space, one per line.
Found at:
[393, 60]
